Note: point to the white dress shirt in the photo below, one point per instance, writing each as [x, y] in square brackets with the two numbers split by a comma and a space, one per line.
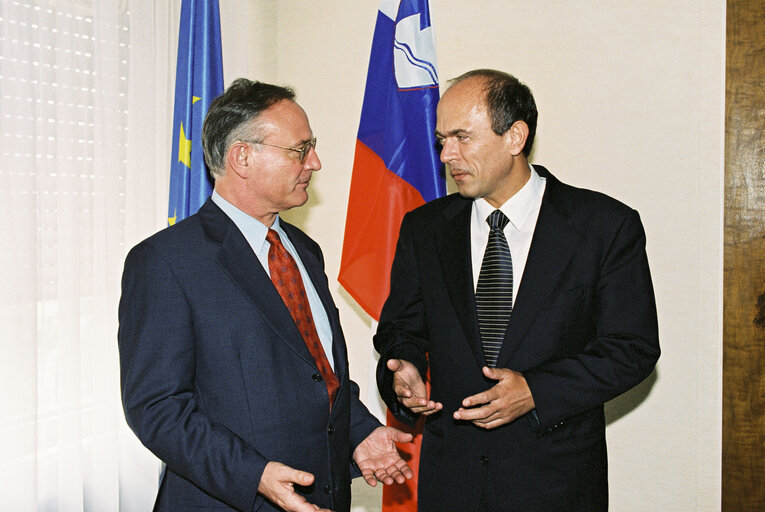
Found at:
[522, 210]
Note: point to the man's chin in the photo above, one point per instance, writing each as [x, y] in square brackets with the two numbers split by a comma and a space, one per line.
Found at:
[295, 200]
[301, 198]
[465, 192]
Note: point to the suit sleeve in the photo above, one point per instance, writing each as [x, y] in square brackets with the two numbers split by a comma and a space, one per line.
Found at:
[157, 362]
[402, 332]
[625, 345]
[363, 423]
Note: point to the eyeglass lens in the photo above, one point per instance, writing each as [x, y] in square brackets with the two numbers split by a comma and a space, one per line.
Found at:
[306, 148]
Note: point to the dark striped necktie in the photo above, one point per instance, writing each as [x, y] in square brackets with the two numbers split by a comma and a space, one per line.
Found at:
[494, 291]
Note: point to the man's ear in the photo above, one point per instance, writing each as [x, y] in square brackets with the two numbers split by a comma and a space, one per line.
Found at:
[516, 137]
[239, 160]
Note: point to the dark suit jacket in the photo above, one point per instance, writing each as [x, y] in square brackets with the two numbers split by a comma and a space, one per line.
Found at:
[583, 330]
[216, 379]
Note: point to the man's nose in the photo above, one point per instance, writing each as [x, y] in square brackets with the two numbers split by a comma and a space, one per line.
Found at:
[312, 161]
[448, 151]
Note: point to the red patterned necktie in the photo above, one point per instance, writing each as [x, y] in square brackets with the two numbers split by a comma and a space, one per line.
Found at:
[286, 278]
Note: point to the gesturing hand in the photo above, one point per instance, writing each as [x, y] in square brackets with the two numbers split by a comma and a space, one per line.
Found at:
[507, 400]
[410, 389]
[277, 484]
[378, 459]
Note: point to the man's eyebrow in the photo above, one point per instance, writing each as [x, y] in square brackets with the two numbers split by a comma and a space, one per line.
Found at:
[460, 131]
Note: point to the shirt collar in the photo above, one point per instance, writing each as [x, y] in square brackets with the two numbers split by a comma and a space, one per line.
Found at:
[518, 207]
[252, 229]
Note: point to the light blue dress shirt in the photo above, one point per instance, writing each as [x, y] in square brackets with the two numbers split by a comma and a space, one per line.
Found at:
[255, 233]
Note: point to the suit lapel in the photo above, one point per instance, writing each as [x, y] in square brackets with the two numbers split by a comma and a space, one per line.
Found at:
[552, 247]
[315, 269]
[454, 251]
[243, 267]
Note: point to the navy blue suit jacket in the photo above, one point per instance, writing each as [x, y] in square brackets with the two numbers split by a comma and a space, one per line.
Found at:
[583, 330]
[216, 378]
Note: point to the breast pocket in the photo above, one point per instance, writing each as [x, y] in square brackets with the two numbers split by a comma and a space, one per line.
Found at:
[564, 324]
[568, 297]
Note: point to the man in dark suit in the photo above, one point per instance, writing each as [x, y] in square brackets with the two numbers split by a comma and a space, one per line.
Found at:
[531, 304]
[234, 369]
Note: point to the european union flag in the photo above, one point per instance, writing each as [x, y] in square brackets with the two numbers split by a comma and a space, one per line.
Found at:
[198, 80]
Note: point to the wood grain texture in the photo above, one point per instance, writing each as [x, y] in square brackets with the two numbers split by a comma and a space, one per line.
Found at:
[743, 457]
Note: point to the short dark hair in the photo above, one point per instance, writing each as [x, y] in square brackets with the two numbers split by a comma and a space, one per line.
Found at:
[508, 100]
[230, 115]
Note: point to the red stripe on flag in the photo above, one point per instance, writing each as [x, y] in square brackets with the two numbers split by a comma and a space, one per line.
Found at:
[403, 497]
[377, 203]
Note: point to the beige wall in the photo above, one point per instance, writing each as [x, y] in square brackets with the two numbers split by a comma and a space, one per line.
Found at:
[630, 95]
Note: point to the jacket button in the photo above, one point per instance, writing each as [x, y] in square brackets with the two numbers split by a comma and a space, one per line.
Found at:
[331, 429]
[327, 489]
[316, 377]
[484, 459]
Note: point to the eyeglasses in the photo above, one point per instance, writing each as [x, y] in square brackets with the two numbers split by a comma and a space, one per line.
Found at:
[302, 150]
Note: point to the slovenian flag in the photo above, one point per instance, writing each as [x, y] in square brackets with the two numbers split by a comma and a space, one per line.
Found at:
[396, 169]
[396, 166]
[198, 80]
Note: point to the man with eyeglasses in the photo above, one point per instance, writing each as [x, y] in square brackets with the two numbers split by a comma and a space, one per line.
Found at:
[234, 369]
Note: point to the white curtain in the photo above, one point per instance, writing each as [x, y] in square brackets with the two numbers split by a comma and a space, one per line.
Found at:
[85, 102]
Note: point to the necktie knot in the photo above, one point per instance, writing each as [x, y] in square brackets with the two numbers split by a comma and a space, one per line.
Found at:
[497, 219]
[272, 237]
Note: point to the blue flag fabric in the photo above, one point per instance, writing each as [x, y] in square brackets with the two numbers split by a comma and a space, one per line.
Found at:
[396, 167]
[198, 80]
[398, 117]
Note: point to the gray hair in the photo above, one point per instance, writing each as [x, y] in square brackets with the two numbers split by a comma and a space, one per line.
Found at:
[234, 115]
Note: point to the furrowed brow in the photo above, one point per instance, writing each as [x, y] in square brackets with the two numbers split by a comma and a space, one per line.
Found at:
[452, 133]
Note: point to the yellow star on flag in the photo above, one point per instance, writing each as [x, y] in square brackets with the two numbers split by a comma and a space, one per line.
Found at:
[184, 149]
[171, 220]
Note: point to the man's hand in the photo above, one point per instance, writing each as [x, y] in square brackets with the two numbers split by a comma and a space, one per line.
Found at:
[277, 483]
[378, 459]
[410, 389]
[507, 400]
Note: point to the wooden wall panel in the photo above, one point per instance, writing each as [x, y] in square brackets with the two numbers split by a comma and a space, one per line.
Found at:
[743, 457]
